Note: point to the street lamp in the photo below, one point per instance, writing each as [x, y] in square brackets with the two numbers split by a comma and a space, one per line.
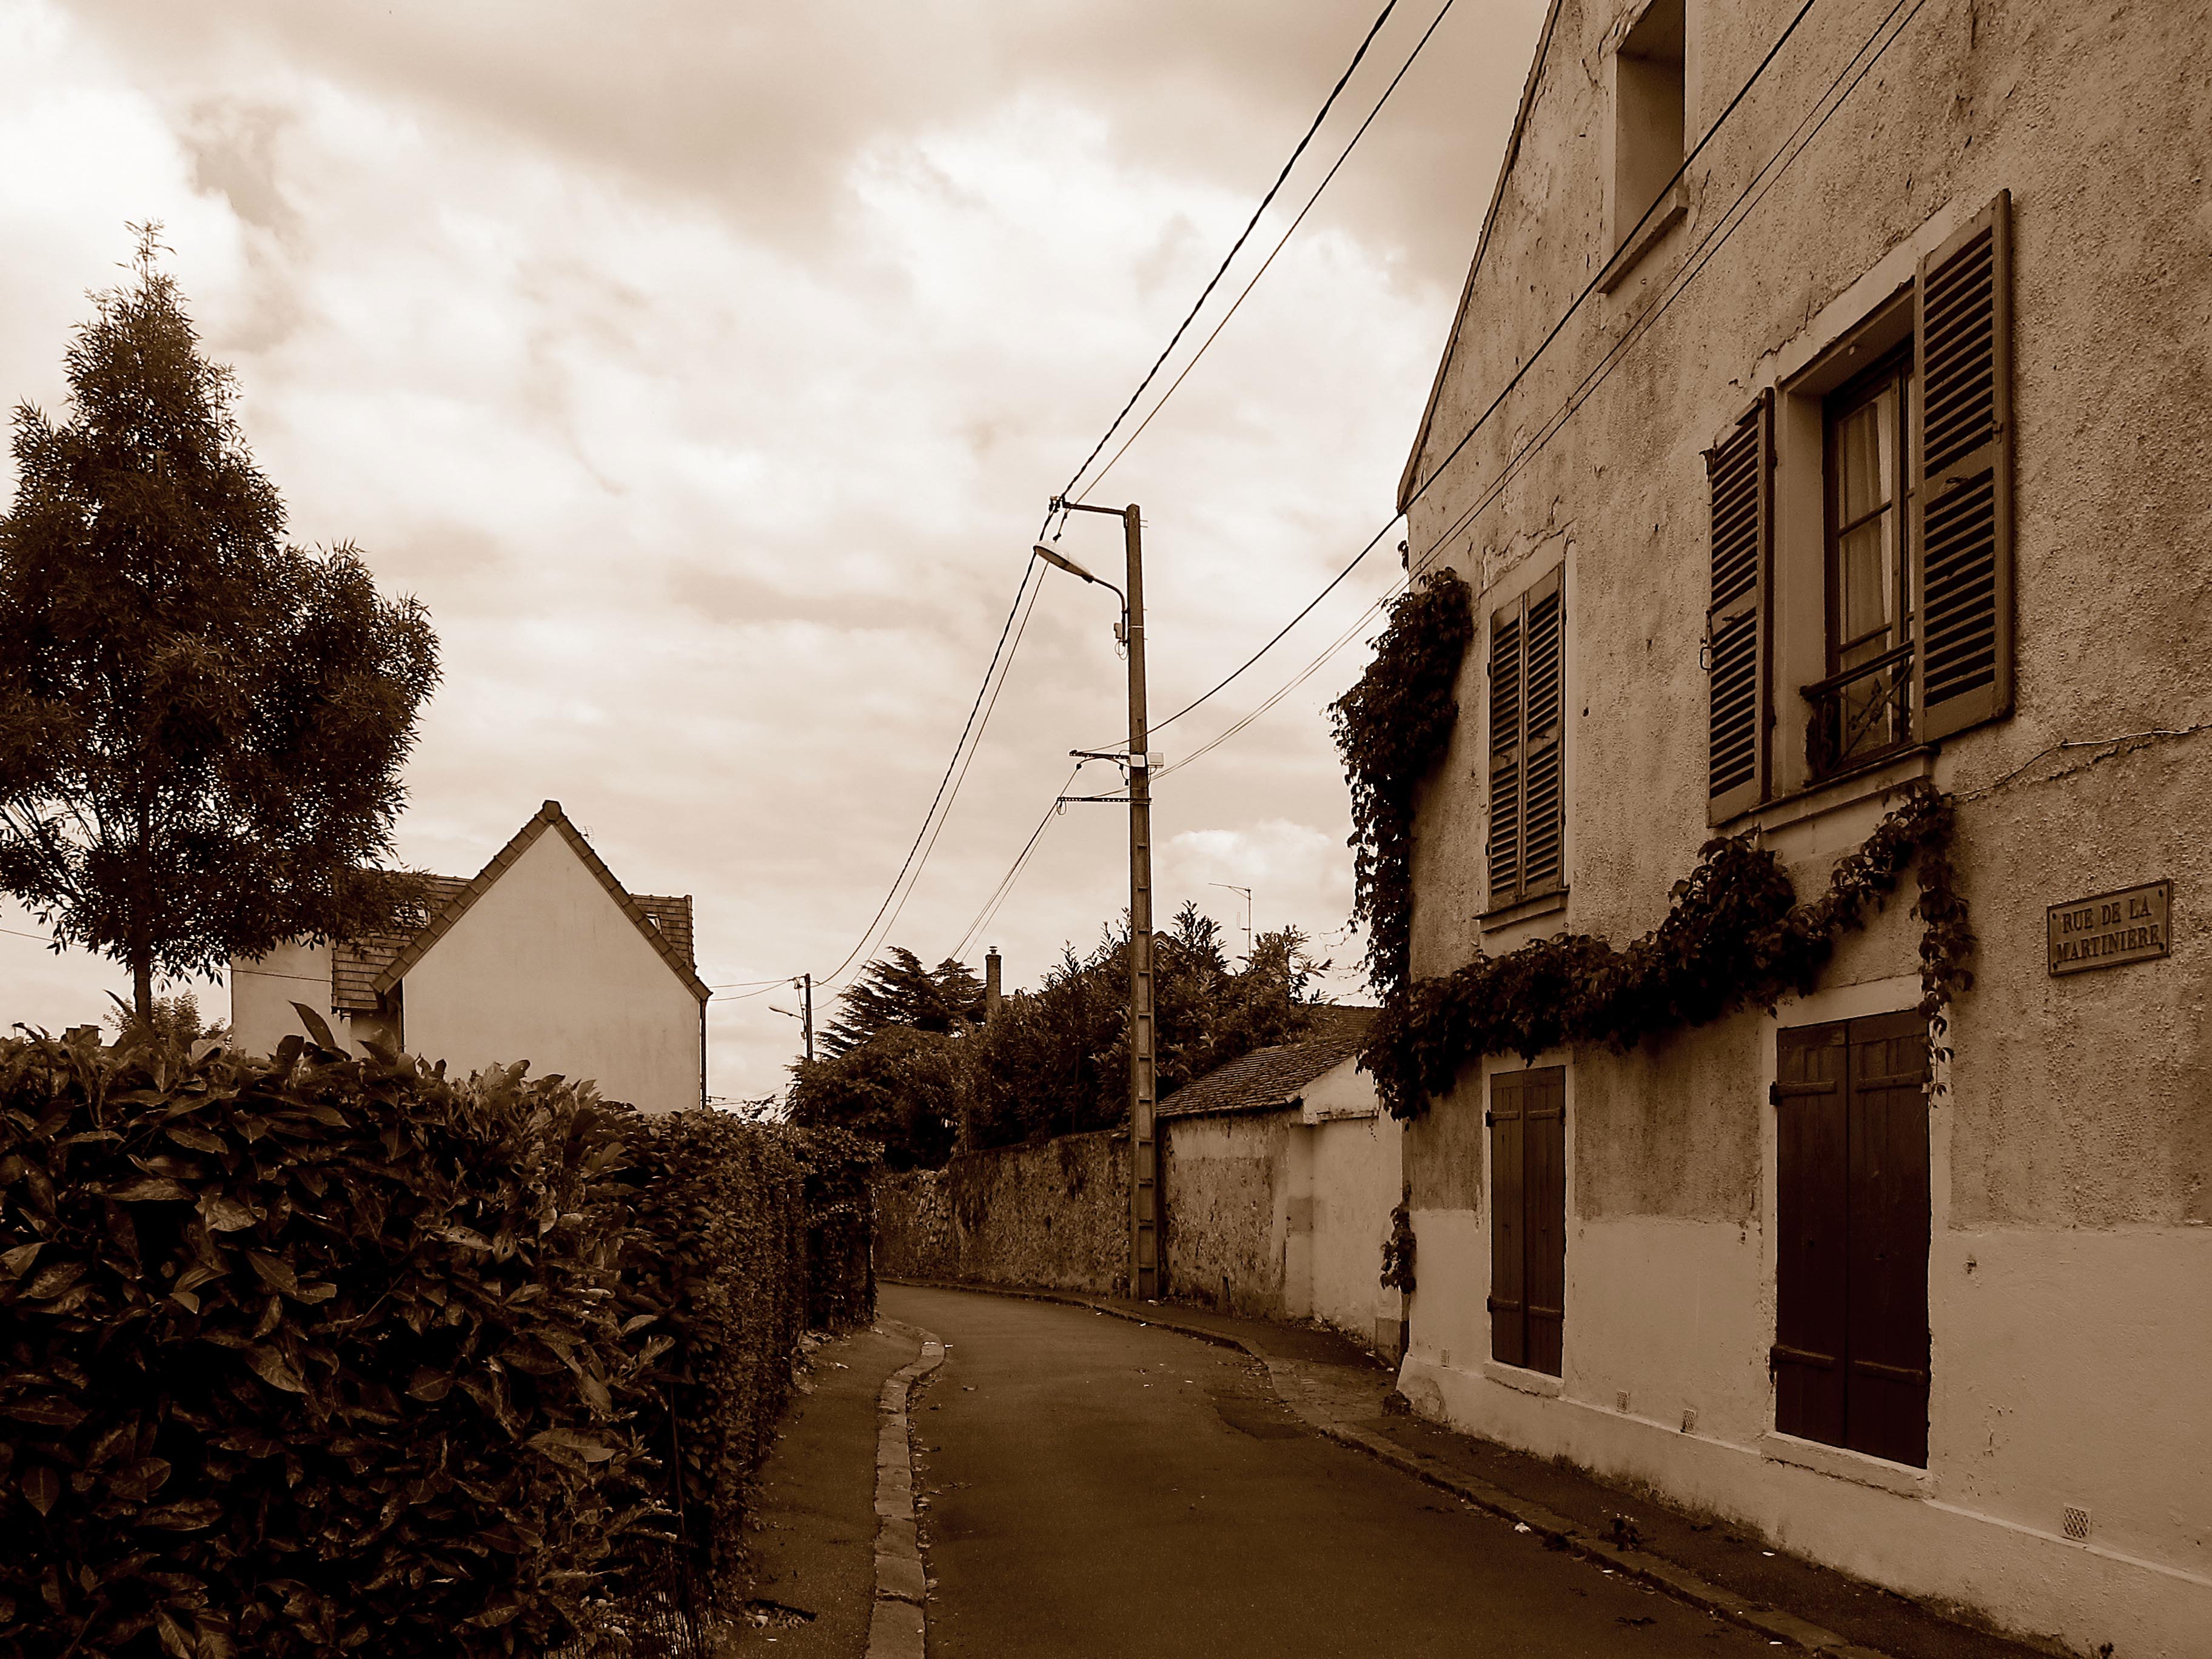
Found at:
[1145, 1263]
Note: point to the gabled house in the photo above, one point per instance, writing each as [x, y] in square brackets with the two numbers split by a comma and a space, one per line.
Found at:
[545, 956]
[1825, 422]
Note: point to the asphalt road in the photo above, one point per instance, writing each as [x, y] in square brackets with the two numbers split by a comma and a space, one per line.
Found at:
[1099, 1488]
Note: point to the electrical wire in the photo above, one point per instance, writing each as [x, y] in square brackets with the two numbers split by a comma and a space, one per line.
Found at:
[1067, 491]
[1823, 109]
[998, 894]
[1280, 244]
[999, 653]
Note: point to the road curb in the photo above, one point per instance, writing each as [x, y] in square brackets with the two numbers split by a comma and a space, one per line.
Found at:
[1557, 1530]
[898, 1626]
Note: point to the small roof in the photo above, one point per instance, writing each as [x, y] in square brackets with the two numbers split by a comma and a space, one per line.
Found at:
[362, 969]
[1269, 1080]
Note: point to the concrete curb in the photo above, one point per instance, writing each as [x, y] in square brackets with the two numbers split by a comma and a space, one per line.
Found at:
[1662, 1575]
[898, 1627]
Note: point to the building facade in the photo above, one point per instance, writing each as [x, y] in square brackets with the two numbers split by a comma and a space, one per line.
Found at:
[1873, 451]
[544, 956]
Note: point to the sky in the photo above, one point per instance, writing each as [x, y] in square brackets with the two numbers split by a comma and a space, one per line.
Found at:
[706, 371]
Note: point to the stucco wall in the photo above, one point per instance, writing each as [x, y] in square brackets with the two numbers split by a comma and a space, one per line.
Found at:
[1052, 1216]
[1229, 1186]
[2070, 1278]
[545, 967]
[263, 989]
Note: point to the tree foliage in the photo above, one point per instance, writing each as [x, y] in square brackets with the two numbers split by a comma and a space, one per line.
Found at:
[899, 991]
[201, 728]
[1056, 1058]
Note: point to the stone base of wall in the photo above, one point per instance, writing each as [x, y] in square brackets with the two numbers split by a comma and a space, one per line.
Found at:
[1051, 1216]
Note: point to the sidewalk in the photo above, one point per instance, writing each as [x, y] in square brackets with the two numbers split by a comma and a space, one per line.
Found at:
[810, 1587]
[1342, 1390]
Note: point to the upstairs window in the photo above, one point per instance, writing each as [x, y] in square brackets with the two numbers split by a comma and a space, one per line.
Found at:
[1863, 707]
[1648, 106]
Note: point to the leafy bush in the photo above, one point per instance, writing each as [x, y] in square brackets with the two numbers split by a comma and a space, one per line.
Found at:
[306, 1353]
[841, 1226]
[714, 1206]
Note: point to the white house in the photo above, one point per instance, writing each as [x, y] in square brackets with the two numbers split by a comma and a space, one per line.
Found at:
[544, 956]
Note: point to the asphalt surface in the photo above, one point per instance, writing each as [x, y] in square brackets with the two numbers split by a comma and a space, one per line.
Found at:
[1098, 1488]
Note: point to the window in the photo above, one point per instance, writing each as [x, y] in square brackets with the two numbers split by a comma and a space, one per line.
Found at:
[1861, 707]
[1526, 775]
[1879, 614]
[1852, 1349]
[1648, 110]
[1527, 1122]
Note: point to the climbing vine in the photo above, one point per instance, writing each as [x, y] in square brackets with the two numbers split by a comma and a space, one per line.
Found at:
[1734, 935]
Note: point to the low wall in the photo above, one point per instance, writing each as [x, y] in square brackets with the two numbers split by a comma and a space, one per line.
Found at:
[1052, 1216]
[1229, 1186]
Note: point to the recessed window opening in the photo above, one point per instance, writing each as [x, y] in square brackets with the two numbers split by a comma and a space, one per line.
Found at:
[1863, 707]
[1648, 114]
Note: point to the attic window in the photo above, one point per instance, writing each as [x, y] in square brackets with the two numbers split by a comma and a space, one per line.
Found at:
[1647, 111]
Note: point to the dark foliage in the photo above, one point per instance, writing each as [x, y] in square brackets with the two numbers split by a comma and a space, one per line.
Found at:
[1734, 937]
[899, 991]
[307, 1355]
[1399, 1248]
[841, 1170]
[716, 1257]
[201, 729]
[902, 1089]
[1392, 728]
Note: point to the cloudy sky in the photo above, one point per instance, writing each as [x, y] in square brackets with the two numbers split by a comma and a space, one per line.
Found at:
[706, 370]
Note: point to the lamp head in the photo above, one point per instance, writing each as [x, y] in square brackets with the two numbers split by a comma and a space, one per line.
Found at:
[1061, 561]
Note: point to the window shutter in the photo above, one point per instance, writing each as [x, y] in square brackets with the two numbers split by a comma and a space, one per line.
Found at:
[1505, 754]
[1542, 801]
[1544, 1182]
[1508, 1304]
[1885, 1317]
[1738, 475]
[1812, 1138]
[1962, 479]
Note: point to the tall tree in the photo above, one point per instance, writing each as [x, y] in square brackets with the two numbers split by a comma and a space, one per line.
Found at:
[899, 991]
[201, 728]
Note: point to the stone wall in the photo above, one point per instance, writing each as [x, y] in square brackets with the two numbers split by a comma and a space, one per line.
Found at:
[1227, 1181]
[1052, 1216]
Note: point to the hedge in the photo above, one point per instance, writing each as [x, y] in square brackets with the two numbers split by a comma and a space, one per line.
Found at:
[303, 1353]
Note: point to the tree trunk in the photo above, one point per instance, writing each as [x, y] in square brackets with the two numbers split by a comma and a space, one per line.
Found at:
[142, 985]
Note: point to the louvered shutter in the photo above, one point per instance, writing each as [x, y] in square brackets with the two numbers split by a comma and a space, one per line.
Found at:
[1527, 795]
[1739, 475]
[1505, 754]
[1812, 1138]
[1543, 805]
[1962, 479]
[1509, 1277]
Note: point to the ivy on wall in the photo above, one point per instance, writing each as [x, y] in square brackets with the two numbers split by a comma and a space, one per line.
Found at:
[1734, 934]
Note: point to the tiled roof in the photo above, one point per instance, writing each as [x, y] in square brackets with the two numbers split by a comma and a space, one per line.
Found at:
[362, 969]
[1269, 1078]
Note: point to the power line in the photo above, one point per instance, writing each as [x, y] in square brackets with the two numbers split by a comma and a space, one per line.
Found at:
[1067, 491]
[1280, 244]
[1817, 117]
[1005, 887]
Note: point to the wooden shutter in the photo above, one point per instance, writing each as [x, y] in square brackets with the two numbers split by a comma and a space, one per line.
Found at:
[1508, 1299]
[1886, 1316]
[1813, 1137]
[1505, 655]
[1528, 804]
[1962, 479]
[1542, 719]
[1544, 1185]
[1738, 475]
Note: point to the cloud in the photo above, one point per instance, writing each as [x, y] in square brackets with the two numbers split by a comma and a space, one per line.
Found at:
[705, 370]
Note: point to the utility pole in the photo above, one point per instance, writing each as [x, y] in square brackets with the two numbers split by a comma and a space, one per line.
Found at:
[1145, 1263]
[805, 984]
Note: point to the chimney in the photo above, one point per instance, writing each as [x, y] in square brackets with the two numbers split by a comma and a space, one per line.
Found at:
[991, 985]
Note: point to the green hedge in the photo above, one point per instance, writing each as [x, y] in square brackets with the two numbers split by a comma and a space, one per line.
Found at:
[842, 1170]
[304, 1354]
[313, 1355]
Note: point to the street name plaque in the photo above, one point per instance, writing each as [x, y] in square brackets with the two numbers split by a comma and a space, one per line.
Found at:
[2133, 925]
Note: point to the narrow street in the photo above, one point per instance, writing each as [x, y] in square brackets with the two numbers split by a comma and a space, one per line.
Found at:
[1099, 1488]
